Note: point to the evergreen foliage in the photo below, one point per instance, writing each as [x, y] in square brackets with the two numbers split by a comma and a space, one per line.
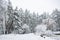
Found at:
[16, 19]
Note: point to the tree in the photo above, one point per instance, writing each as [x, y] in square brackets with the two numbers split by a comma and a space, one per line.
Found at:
[9, 18]
[16, 21]
[21, 16]
[56, 16]
[51, 24]
[3, 7]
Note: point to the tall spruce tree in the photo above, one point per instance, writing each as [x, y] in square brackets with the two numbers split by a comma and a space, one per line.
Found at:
[9, 18]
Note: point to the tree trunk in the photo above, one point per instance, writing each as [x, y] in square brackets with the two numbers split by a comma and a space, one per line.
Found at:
[4, 22]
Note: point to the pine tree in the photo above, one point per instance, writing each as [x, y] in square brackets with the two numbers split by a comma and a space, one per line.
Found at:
[21, 16]
[16, 22]
[9, 18]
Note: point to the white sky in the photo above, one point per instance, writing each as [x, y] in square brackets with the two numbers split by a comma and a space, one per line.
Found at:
[39, 6]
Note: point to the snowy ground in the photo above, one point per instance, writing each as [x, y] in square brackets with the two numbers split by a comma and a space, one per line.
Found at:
[30, 36]
[57, 37]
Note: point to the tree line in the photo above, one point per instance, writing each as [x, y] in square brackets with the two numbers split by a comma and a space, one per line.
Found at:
[20, 22]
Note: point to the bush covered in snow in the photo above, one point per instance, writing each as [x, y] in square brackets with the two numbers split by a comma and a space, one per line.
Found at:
[40, 29]
[26, 28]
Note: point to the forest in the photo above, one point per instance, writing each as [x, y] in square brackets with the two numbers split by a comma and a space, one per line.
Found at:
[19, 21]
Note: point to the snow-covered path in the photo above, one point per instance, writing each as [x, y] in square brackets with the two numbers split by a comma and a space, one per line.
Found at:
[30, 36]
